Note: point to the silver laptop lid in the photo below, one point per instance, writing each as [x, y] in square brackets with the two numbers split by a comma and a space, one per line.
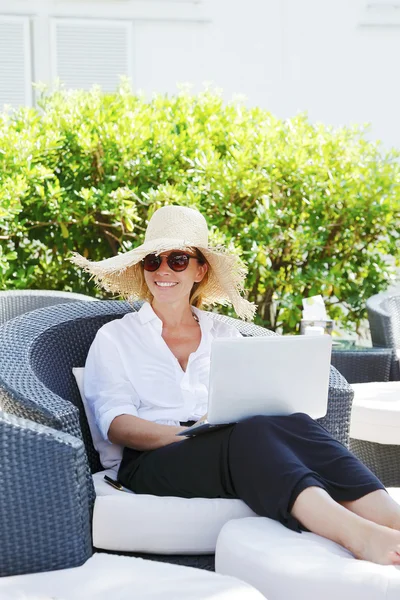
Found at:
[276, 375]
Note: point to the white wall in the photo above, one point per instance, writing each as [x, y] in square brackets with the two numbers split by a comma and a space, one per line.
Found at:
[318, 56]
[335, 59]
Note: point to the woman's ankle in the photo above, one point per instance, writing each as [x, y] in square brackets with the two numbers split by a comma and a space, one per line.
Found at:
[355, 538]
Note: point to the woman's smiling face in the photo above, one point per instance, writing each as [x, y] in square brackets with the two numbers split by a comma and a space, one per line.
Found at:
[167, 285]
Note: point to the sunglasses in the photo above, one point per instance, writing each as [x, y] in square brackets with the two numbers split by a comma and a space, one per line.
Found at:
[177, 261]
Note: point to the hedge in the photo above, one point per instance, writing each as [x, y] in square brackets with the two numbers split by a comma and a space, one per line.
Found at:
[312, 209]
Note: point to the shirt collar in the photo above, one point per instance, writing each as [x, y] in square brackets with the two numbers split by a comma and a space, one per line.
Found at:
[205, 320]
[146, 313]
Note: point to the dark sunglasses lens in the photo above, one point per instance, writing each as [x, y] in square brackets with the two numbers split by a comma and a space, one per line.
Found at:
[178, 262]
[151, 262]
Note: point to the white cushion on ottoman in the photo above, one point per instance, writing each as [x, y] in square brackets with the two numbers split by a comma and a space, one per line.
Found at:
[107, 577]
[129, 522]
[375, 415]
[286, 565]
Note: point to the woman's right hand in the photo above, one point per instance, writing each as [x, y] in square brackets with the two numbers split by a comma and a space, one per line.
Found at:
[179, 438]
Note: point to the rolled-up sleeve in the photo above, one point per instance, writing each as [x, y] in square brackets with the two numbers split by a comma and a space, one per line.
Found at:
[108, 391]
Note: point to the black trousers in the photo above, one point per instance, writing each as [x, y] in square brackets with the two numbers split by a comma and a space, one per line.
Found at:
[265, 461]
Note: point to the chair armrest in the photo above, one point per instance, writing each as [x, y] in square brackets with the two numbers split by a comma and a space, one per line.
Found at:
[340, 400]
[44, 509]
[380, 321]
[363, 365]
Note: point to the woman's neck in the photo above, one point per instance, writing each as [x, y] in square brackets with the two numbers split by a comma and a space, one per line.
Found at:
[174, 315]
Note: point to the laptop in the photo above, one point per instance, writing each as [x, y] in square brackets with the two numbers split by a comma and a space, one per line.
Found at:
[266, 375]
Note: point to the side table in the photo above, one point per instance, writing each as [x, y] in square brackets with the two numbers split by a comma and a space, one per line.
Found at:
[360, 364]
[375, 429]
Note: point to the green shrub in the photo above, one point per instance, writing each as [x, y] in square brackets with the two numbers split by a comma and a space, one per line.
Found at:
[312, 209]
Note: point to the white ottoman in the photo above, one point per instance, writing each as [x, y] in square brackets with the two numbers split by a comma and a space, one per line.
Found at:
[375, 428]
[285, 565]
[108, 577]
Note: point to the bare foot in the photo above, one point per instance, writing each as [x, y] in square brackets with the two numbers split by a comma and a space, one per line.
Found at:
[378, 544]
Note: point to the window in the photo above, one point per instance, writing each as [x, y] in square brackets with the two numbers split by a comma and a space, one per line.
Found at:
[86, 52]
[15, 61]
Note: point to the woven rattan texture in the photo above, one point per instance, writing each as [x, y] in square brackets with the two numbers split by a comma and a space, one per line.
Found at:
[17, 302]
[384, 322]
[200, 561]
[382, 459]
[393, 307]
[371, 364]
[44, 513]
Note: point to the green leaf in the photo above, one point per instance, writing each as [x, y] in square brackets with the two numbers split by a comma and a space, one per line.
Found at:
[64, 230]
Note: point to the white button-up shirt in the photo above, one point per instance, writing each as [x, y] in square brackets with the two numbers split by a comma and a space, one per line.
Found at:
[131, 370]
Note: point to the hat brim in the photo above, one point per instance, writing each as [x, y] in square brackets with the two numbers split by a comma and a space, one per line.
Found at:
[225, 285]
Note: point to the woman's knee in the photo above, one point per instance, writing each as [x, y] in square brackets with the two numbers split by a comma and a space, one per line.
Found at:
[251, 439]
[271, 420]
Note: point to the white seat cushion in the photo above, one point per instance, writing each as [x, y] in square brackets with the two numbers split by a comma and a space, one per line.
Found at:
[395, 494]
[129, 522]
[107, 577]
[375, 415]
[284, 564]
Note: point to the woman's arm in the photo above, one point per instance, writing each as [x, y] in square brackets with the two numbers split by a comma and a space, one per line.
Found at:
[140, 434]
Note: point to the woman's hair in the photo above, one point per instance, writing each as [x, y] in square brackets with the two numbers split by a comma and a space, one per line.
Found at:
[196, 295]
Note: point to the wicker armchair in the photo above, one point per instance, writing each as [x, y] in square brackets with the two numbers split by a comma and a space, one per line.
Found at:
[17, 302]
[45, 345]
[384, 322]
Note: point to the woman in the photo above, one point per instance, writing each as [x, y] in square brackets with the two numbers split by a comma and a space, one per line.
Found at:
[146, 380]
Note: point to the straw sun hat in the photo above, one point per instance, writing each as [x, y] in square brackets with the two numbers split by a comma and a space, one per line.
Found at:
[175, 228]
